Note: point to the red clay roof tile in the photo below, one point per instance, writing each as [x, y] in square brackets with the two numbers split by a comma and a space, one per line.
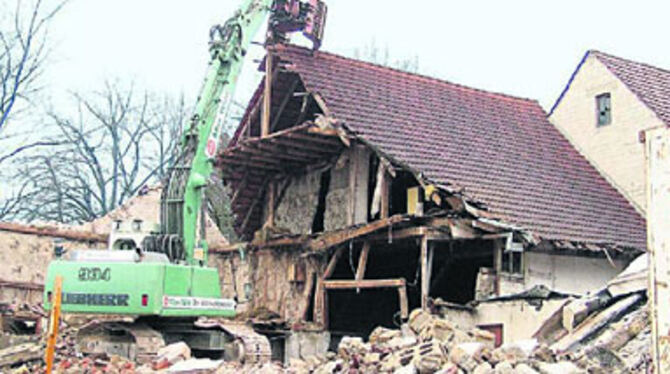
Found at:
[501, 150]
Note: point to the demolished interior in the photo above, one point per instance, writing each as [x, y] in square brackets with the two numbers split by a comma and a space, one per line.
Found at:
[348, 226]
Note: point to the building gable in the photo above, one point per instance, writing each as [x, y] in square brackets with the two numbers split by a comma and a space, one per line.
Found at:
[614, 148]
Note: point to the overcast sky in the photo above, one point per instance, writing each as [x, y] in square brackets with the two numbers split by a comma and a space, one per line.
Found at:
[523, 48]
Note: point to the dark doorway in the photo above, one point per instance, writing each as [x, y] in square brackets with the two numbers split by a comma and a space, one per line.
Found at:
[455, 268]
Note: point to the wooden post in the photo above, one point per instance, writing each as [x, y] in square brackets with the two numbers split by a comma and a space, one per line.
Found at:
[404, 308]
[54, 321]
[353, 170]
[270, 218]
[497, 263]
[363, 261]
[320, 297]
[425, 280]
[267, 97]
[658, 242]
[385, 205]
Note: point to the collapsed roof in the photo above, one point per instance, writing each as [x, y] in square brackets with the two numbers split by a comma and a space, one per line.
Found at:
[495, 149]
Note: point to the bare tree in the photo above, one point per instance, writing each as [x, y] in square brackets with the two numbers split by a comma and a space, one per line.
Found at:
[23, 49]
[372, 52]
[114, 143]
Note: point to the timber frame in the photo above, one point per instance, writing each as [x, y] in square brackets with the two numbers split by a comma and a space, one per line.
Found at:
[292, 131]
[289, 130]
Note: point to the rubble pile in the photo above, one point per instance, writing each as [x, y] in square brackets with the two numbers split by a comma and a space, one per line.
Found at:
[429, 344]
[425, 344]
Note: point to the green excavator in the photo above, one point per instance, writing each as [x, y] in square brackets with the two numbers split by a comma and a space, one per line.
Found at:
[159, 281]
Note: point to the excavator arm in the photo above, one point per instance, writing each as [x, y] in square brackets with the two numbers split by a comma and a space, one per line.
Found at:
[183, 195]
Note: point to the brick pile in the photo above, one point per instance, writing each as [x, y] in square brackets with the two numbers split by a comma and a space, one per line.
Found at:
[429, 344]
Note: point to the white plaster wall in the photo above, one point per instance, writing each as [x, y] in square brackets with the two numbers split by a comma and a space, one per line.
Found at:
[613, 149]
[520, 319]
[563, 273]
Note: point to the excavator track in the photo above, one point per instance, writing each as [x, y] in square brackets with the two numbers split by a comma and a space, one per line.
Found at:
[250, 347]
[136, 341]
[140, 340]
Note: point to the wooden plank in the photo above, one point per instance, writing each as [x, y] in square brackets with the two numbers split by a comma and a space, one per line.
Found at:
[237, 163]
[351, 207]
[332, 263]
[255, 155]
[322, 104]
[241, 187]
[270, 206]
[658, 243]
[298, 154]
[404, 306]
[319, 299]
[363, 261]
[400, 234]
[245, 222]
[309, 287]
[367, 283]
[281, 242]
[21, 285]
[306, 101]
[308, 145]
[284, 153]
[331, 142]
[593, 324]
[331, 239]
[267, 97]
[425, 281]
[498, 246]
[385, 191]
[327, 132]
[274, 135]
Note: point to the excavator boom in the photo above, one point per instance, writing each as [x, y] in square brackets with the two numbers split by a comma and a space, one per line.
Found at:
[161, 278]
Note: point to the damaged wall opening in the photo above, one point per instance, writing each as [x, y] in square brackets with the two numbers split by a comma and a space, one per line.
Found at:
[358, 313]
[456, 265]
[320, 214]
[399, 185]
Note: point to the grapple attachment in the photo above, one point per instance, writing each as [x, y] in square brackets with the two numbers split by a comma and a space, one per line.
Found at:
[294, 15]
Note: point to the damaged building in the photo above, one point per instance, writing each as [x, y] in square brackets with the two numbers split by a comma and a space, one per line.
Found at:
[362, 192]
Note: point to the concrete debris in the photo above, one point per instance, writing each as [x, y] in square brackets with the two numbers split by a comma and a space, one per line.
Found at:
[19, 354]
[430, 344]
[195, 366]
[426, 344]
[171, 354]
[563, 367]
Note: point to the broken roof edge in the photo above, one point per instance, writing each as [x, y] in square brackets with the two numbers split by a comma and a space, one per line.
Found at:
[585, 248]
[537, 292]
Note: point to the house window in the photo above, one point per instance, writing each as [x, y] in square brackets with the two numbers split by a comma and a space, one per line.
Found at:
[604, 109]
[512, 262]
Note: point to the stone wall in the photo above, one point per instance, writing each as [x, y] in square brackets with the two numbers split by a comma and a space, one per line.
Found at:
[296, 210]
[278, 281]
[298, 207]
[25, 258]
